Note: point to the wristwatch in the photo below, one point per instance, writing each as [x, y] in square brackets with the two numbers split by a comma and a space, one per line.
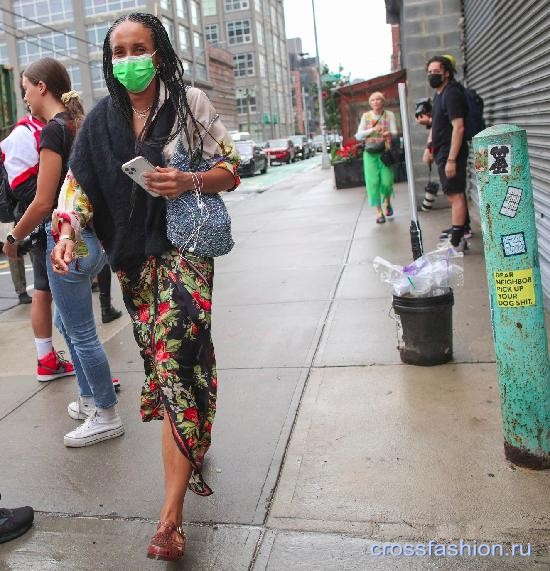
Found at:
[12, 239]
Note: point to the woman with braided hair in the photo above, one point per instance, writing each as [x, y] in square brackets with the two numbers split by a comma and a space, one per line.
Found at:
[167, 291]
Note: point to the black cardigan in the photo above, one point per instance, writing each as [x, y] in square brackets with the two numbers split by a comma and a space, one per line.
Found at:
[104, 143]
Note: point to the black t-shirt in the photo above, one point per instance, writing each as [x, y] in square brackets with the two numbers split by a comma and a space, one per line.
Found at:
[57, 136]
[448, 105]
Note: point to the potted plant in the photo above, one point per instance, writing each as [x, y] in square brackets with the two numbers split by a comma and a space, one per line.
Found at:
[348, 166]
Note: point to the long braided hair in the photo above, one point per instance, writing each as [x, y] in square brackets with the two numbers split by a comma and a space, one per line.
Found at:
[170, 71]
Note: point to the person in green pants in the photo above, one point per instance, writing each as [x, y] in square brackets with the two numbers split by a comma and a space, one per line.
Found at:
[376, 128]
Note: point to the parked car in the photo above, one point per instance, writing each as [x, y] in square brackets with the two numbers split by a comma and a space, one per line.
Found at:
[253, 158]
[318, 143]
[281, 150]
[331, 140]
[301, 146]
[311, 148]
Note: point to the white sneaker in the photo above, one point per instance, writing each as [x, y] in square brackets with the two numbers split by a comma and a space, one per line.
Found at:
[446, 245]
[93, 430]
[81, 408]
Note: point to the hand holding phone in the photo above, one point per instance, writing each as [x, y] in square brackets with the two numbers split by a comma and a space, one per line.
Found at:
[136, 168]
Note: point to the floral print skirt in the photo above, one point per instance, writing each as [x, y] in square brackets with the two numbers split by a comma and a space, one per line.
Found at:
[169, 299]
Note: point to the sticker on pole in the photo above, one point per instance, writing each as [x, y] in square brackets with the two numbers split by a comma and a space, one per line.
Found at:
[514, 244]
[500, 159]
[511, 202]
[515, 288]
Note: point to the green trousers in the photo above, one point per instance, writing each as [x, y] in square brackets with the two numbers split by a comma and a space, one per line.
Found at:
[378, 178]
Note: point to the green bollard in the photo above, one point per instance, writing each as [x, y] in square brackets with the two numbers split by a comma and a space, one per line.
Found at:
[513, 276]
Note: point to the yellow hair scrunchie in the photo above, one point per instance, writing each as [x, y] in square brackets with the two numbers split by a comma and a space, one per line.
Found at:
[66, 97]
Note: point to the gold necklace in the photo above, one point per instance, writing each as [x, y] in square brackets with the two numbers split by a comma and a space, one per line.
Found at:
[142, 114]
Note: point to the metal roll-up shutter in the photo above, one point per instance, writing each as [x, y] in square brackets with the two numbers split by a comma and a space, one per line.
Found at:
[507, 61]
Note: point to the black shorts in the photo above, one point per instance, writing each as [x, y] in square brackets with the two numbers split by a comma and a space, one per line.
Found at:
[457, 184]
[39, 268]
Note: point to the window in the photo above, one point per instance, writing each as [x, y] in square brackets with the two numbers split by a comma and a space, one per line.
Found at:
[45, 11]
[261, 61]
[278, 74]
[74, 73]
[96, 35]
[258, 5]
[181, 9]
[246, 100]
[3, 53]
[195, 13]
[209, 7]
[166, 4]
[198, 45]
[96, 73]
[169, 27]
[212, 33]
[238, 32]
[259, 32]
[187, 67]
[96, 7]
[183, 36]
[232, 5]
[244, 65]
[200, 71]
[276, 47]
[273, 16]
[52, 44]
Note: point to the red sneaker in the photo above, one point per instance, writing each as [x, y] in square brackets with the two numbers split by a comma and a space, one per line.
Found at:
[53, 366]
[116, 384]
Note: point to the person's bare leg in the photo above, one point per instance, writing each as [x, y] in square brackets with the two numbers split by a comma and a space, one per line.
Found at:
[458, 209]
[177, 472]
[41, 314]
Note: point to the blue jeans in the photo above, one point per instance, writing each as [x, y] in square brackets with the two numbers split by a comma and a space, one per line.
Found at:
[72, 294]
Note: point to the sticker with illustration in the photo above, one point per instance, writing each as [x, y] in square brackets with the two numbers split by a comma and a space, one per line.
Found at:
[500, 159]
[511, 202]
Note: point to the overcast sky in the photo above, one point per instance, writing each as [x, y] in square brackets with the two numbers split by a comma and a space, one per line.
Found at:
[353, 33]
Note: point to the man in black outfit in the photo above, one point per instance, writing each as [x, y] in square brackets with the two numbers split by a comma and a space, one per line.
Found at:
[447, 144]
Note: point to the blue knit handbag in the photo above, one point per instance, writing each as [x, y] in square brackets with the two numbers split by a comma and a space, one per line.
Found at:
[197, 222]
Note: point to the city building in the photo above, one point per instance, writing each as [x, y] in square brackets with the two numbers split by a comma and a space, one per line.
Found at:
[304, 88]
[73, 31]
[254, 31]
[222, 77]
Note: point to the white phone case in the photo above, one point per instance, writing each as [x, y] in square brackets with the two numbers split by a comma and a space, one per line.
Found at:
[136, 168]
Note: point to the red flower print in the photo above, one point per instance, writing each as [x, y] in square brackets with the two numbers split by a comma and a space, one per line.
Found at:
[161, 355]
[153, 386]
[214, 383]
[195, 329]
[203, 303]
[208, 426]
[191, 414]
[191, 443]
[163, 307]
[144, 313]
[172, 276]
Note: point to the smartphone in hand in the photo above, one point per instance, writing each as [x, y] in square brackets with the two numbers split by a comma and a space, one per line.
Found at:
[136, 168]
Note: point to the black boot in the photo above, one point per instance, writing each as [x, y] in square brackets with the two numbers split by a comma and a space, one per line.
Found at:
[108, 312]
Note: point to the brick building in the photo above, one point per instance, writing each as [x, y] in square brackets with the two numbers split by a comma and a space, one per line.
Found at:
[222, 77]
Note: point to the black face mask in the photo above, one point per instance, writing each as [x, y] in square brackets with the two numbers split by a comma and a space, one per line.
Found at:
[435, 80]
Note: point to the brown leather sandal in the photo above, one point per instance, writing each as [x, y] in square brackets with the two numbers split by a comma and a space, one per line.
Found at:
[163, 546]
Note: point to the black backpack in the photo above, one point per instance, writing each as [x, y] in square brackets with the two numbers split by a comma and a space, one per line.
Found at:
[7, 200]
[473, 122]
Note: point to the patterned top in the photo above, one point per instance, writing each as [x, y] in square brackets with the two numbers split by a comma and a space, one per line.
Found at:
[369, 121]
[218, 152]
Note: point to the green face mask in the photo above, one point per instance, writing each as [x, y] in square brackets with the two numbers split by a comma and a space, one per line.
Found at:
[135, 72]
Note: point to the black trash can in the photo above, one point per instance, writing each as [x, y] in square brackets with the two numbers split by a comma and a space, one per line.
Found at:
[425, 329]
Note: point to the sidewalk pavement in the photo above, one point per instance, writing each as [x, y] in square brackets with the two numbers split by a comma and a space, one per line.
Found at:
[325, 444]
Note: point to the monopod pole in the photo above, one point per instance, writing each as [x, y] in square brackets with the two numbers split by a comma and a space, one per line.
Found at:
[416, 234]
